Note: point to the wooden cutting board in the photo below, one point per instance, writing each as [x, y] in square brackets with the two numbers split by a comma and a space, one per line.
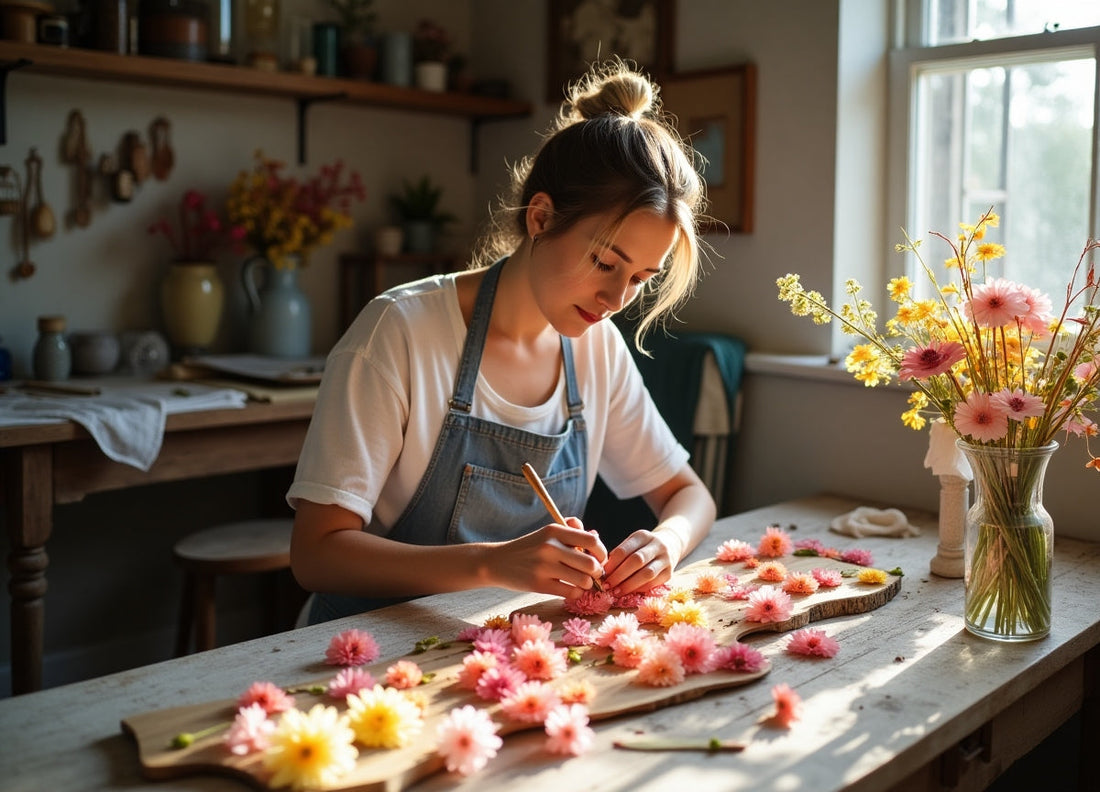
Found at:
[617, 692]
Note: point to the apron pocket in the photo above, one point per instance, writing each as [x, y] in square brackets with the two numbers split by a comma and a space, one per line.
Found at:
[495, 506]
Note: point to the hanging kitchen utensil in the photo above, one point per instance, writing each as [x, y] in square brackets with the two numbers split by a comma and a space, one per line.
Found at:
[74, 150]
[41, 217]
[163, 156]
[135, 156]
[11, 194]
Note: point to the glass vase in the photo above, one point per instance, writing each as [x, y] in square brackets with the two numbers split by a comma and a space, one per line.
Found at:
[1009, 540]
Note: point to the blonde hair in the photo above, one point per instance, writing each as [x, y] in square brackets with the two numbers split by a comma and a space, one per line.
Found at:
[611, 145]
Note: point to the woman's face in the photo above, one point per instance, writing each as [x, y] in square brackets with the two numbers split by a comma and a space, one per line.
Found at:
[583, 276]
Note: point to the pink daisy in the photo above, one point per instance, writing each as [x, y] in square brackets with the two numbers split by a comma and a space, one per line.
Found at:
[531, 702]
[742, 592]
[629, 649]
[997, 303]
[629, 601]
[268, 695]
[1038, 316]
[810, 544]
[981, 418]
[813, 643]
[1018, 403]
[829, 578]
[528, 627]
[774, 543]
[469, 633]
[351, 648]
[614, 626]
[734, 550]
[498, 642]
[403, 675]
[577, 691]
[567, 730]
[858, 557]
[768, 604]
[1086, 371]
[694, 645]
[539, 659]
[928, 361]
[467, 739]
[788, 705]
[771, 572]
[589, 603]
[652, 610]
[497, 682]
[349, 681]
[250, 731]
[739, 657]
[661, 667]
[710, 583]
[576, 632]
[474, 665]
[800, 583]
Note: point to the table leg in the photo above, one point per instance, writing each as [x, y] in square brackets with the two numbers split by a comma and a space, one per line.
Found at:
[28, 494]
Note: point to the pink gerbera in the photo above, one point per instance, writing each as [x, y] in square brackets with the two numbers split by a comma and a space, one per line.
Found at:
[629, 601]
[768, 604]
[499, 681]
[661, 667]
[567, 730]
[403, 675]
[1038, 316]
[474, 665]
[812, 642]
[614, 626]
[775, 542]
[652, 610]
[494, 641]
[589, 603]
[576, 632]
[739, 657]
[997, 303]
[788, 705]
[250, 732]
[800, 583]
[695, 645]
[268, 695]
[351, 648]
[1019, 403]
[734, 550]
[771, 572]
[829, 578]
[981, 418]
[539, 659]
[529, 627]
[467, 739]
[348, 681]
[857, 556]
[629, 649]
[531, 702]
[928, 361]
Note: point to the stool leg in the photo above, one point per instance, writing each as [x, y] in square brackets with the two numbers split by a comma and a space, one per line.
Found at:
[186, 624]
[206, 637]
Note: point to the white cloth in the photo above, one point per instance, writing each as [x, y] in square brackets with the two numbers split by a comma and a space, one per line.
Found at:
[944, 457]
[126, 419]
[385, 394]
[866, 521]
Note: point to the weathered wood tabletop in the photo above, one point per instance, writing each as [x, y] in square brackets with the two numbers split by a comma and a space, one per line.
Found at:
[908, 684]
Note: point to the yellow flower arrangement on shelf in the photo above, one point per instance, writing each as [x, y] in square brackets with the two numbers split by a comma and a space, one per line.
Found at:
[284, 218]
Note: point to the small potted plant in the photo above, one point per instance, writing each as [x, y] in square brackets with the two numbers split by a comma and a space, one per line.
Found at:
[359, 47]
[416, 207]
[431, 48]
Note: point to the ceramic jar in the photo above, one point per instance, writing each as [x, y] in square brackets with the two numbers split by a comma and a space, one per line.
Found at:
[192, 298]
[53, 360]
[94, 352]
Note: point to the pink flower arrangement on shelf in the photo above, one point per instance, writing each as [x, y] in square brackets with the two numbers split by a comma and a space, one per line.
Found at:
[201, 230]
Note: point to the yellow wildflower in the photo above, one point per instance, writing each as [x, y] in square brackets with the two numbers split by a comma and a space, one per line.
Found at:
[383, 717]
[987, 251]
[684, 613]
[900, 288]
[871, 576]
[310, 750]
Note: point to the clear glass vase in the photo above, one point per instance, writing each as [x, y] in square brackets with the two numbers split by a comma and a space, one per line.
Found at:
[1009, 540]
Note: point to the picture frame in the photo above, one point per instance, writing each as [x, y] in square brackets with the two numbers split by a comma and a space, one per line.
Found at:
[582, 32]
[715, 111]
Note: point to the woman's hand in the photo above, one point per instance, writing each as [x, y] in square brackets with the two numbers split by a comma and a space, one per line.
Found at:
[644, 559]
[561, 560]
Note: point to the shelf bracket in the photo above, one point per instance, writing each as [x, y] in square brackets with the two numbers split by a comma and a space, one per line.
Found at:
[4, 69]
[304, 103]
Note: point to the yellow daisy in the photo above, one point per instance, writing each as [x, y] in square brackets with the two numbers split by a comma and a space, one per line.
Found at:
[383, 717]
[310, 750]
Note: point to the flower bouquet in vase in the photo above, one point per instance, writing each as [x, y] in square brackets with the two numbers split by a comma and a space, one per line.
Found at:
[1007, 374]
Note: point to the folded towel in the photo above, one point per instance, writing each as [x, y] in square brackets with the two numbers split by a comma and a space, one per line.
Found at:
[865, 521]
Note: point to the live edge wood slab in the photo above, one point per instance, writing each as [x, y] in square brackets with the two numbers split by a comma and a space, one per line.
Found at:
[617, 691]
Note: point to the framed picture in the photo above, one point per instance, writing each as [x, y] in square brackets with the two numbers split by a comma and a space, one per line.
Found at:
[715, 110]
[585, 31]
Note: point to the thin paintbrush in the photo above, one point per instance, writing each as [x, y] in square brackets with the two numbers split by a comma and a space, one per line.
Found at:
[540, 490]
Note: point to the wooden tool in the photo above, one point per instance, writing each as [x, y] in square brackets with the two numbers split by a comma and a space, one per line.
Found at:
[533, 479]
[41, 218]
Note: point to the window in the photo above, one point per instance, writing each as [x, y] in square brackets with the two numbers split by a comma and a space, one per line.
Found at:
[993, 104]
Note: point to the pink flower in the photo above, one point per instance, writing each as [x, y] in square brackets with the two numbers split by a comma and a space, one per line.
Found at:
[734, 550]
[629, 649]
[614, 626]
[567, 730]
[768, 604]
[498, 642]
[1038, 316]
[981, 418]
[1085, 371]
[577, 691]
[829, 578]
[708, 582]
[694, 645]
[813, 643]
[739, 657]
[661, 667]
[467, 739]
[268, 695]
[857, 556]
[652, 610]
[250, 731]
[576, 632]
[742, 592]
[810, 544]
[775, 542]
[629, 601]
[470, 633]
[771, 572]
[528, 627]
[936, 358]
[800, 583]
[531, 702]
[497, 682]
[1018, 404]
[997, 303]
[403, 675]
[540, 659]
[351, 648]
[788, 705]
[474, 665]
[348, 681]
[589, 603]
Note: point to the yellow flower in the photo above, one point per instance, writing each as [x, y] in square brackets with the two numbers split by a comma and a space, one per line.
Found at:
[383, 717]
[684, 613]
[987, 251]
[310, 750]
[899, 288]
[871, 576]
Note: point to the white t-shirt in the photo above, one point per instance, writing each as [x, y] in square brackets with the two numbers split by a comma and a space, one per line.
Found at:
[385, 394]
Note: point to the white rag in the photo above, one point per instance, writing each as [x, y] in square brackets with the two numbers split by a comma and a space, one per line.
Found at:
[865, 521]
[126, 420]
[944, 457]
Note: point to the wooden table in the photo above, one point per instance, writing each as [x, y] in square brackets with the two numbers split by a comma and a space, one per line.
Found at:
[60, 463]
[909, 696]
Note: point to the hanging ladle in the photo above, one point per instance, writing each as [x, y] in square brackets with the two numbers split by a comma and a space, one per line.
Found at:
[41, 217]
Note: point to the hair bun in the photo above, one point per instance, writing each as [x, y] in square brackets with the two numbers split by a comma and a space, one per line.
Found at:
[613, 88]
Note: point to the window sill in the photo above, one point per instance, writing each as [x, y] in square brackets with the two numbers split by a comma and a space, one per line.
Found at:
[817, 368]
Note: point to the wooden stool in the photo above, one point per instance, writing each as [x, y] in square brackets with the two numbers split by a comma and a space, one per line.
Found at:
[232, 549]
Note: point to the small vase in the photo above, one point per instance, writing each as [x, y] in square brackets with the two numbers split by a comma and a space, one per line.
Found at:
[192, 296]
[279, 314]
[1009, 544]
[431, 76]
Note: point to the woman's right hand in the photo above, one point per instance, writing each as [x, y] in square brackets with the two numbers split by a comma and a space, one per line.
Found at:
[560, 560]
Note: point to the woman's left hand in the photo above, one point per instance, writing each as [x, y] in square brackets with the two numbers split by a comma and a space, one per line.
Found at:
[644, 559]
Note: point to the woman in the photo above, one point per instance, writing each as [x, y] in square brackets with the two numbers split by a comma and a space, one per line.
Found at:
[410, 482]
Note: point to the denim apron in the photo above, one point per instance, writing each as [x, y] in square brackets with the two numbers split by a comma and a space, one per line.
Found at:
[474, 489]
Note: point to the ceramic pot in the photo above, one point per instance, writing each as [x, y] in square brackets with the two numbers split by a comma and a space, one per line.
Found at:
[94, 352]
[431, 76]
[192, 298]
[279, 323]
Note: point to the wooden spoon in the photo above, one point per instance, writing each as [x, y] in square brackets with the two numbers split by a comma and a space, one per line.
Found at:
[163, 158]
[42, 220]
